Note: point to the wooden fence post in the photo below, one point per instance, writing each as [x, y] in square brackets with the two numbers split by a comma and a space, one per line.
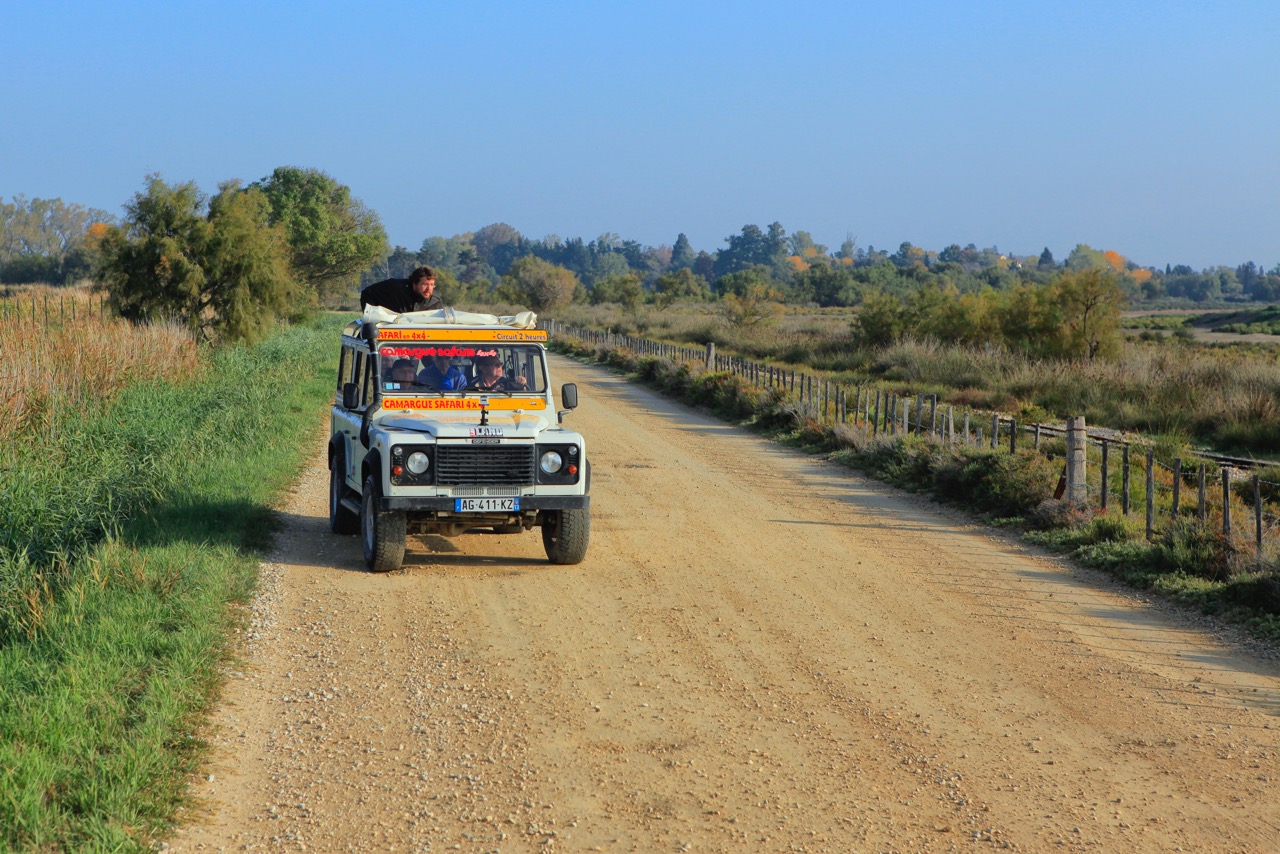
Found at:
[1106, 446]
[1151, 494]
[1257, 516]
[1226, 501]
[1077, 487]
[1124, 478]
[1013, 436]
[1200, 509]
[919, 413]
[995, 431]
[875, 422]
[1177, 485]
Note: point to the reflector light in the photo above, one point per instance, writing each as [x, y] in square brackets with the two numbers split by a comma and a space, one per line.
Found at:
[397, 470]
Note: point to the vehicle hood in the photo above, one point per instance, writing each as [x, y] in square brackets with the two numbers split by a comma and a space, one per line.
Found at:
[514, 424]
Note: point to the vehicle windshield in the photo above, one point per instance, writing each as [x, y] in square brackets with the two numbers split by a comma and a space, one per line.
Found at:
[464, 367]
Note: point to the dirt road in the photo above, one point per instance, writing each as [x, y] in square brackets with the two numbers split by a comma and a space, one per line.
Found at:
[761, 652]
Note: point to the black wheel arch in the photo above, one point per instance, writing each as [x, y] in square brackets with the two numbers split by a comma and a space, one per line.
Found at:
[372, 466]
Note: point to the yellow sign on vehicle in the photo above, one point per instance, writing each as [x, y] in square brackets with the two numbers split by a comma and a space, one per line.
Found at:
[493, 334]
[463, 403]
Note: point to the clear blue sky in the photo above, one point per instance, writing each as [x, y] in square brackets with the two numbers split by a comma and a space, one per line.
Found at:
[1150, 128]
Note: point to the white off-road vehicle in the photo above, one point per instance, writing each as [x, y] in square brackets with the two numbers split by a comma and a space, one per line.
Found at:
[443, 423]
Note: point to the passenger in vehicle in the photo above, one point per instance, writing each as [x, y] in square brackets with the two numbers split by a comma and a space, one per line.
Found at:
[489, 377]
[403, 372]
[441, 375]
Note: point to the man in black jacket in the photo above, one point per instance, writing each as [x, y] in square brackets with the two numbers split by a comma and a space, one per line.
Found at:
[416, 293]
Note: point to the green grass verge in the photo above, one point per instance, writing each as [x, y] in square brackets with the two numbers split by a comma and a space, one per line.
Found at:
[115, 611]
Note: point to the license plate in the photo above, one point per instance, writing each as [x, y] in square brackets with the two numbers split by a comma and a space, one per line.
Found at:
[486, 505]
[487, 431]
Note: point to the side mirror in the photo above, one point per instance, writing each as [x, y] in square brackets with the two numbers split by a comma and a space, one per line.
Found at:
[350, 396]
[569, 399]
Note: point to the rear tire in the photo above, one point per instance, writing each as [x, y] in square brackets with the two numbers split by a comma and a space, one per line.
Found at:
[383, 532]
[341, 519]
[566, 534]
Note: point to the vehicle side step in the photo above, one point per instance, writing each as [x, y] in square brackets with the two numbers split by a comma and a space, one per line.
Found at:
[351, 504]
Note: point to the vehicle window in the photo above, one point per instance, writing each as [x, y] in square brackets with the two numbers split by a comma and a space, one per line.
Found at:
[463, 367]
[344, 368]
[366, 381]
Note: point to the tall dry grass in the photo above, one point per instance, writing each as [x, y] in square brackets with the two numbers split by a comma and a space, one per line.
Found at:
[78, 360]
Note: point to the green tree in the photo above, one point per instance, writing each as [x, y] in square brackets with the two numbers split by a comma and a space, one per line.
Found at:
[332, 236]
[801, 243]
[498, 245]
[1089, 304]
[848, 249]
[909, 255]
[757, 305]
[827, 285]
[1085, 257]
[539, 284]
[682, 254]
[880, 320]
[677, 285]
[753, 248]
[625, 290]
[607, 265]
[224, 273]
[738, 282]
[45, 239]
[1029, 322]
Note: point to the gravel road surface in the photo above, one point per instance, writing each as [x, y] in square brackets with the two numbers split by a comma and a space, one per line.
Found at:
[761, 652]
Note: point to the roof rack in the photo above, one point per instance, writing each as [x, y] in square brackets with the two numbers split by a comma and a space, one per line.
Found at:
[444, 317]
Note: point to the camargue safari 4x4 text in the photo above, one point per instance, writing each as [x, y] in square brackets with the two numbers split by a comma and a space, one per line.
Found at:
[408, 456]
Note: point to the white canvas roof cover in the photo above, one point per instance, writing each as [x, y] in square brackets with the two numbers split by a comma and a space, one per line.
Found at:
[450, 317]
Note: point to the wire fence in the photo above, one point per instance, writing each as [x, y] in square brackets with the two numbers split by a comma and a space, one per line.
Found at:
[44, 305]
[1130, 479]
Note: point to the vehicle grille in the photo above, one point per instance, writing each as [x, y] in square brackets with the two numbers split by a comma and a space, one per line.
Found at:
[466, 465]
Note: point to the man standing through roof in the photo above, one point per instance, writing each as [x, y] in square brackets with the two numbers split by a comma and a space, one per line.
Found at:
[416, 293]
[440, 375]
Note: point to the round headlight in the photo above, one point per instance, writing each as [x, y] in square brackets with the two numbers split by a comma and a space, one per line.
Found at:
[551, 462]
[418, 462]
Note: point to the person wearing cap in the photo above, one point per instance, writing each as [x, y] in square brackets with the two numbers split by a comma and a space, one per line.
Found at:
[416, 293]
[489, 377]
[441, 375]
[402, 373]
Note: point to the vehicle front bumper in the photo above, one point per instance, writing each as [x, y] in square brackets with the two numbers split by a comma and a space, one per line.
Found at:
[418, 503]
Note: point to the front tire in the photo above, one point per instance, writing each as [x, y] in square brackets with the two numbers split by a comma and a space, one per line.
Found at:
[566, 534]
[383, 532]
[341, 519]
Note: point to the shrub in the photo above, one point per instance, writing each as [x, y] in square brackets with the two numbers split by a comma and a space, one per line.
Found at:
[1193, 547]
[996, 482]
